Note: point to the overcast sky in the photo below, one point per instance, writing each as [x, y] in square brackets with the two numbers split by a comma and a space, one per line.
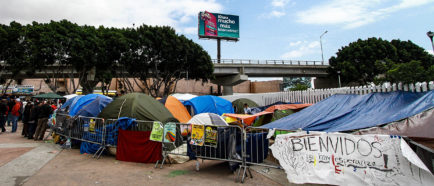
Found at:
[269, 29]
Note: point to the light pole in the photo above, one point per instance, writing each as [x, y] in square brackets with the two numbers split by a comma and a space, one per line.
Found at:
[339, 78]
[431, 35]
[320, 41]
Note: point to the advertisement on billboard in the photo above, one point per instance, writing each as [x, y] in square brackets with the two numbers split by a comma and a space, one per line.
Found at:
[223, 26]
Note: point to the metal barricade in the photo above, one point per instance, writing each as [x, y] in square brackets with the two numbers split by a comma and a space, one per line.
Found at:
[227, 146]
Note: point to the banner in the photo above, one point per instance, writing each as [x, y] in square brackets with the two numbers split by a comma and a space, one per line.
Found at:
[211, 136]
[169, 133]
[157, 132]
[185, 129]
[215, 25]
[344, 159]
[197, 135]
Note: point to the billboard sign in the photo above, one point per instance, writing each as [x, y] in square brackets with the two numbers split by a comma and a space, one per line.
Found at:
[219, 26]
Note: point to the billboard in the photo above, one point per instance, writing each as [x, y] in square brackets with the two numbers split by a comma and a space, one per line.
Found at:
[219, 26]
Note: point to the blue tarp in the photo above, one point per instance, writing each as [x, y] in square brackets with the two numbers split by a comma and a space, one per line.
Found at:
[210, 104]
[111, 135]
[350, 112]
[70, 102]
[83, 101]
[93, 108]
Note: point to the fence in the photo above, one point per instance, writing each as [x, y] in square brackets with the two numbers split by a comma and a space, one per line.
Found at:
[316, 95]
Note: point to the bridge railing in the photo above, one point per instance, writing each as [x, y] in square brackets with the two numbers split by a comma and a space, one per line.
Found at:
[269, 62]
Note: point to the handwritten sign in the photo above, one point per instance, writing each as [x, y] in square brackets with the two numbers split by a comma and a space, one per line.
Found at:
[343, 159]
[197, 135]
[157, 132]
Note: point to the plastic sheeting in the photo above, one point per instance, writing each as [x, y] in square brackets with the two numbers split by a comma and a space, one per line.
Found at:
[350, 112]
[83, 101]
[211, 104]
[93, 108]
[70, 102]
[420, 125]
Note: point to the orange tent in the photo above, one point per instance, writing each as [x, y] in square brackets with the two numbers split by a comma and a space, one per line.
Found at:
[247, 119]
[286, 106]
[177, 109]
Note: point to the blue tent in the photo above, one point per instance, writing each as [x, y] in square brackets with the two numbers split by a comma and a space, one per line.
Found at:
[93, 108]
[211, 104]
[83, 101]
[70, 102]
[350, 112]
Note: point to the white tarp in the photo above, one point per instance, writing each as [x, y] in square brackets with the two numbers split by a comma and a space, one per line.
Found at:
[183, 97]
[344, 159]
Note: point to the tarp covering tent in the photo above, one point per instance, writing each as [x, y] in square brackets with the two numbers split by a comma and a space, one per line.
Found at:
[139, 106]
[420, 125]
[286, 107]
[350, 112]
[70, 102]
[208, 119]
[83, 101]
[239, 104]
[93, 108]
[210, 104]
[177, 109]
[49, 96]
[183, 97]
[245, 118]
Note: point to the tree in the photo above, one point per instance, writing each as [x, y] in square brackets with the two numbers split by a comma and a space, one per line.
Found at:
[159, 58]
[362, 61]
[296, 83]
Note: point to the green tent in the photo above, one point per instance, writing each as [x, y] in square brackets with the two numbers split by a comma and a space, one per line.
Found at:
[238, 105]
[139, 106]
[49, 96]
[282, 113]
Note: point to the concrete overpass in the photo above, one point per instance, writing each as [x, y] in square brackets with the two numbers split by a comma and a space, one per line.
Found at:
[230, 72]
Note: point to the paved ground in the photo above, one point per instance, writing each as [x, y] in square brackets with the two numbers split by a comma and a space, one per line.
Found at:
[26, 162]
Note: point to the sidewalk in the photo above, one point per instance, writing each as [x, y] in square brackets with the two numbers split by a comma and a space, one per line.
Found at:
[28, 162]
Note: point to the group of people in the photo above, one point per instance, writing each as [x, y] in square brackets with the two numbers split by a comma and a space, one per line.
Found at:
[34, 116]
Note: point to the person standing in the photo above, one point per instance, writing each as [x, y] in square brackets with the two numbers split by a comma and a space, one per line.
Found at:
[11, 104]
[44, 112]
[3, 114]
[33, 120]
[26, 119]
[15, 114]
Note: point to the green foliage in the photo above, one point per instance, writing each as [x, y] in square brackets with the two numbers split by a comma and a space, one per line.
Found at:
[411, 72]
[156, 55]
[296, 83]
[299, 87]
[363, 61]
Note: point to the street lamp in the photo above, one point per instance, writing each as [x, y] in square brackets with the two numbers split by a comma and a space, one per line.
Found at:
[431, 35]
[339, 78]
[320, 41]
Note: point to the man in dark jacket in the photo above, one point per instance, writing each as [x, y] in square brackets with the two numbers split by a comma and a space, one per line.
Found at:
[44, 112]
[33, 120]
[11, 105]
[3, 114]
[26, 118]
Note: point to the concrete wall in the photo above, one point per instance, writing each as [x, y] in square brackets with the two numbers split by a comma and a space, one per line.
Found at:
[265, 86]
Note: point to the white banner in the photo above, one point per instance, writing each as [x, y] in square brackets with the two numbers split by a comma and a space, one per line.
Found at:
[344, 159]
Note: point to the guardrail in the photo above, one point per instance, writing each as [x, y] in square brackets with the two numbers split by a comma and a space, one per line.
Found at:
[270, 62]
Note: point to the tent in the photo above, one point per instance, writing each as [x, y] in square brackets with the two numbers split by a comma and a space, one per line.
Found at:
[93, 108]
[139, 106]
[349, 112]
[83, 101]
[208, 119]
[211, 104]
[177, 109]
[183, 97]
[245, 118]
[70, 102]
[239, 104]
[286, 107]
[49, 96]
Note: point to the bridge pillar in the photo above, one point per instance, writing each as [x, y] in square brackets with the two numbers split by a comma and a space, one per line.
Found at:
[229, 81]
